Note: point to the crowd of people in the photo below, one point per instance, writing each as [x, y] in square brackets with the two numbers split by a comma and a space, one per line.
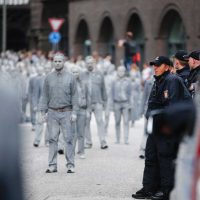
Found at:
[65, 92]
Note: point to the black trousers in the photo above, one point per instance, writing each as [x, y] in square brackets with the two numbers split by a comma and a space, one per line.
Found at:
[160, 153]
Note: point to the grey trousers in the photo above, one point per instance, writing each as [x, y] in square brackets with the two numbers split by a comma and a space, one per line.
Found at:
[61, 142]
[80, 131]
[55, 122]
[98, 113]
[39, 128]
[107, 118]
[121, 109]
[33, 115]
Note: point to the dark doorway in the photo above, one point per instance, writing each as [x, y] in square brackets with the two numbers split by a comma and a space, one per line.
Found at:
[106, 43]
[82, 39]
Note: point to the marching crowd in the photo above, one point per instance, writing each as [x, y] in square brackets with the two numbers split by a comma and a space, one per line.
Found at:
[65, 92]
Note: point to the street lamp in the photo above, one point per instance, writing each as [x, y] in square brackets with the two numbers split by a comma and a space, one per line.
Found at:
[4, 26]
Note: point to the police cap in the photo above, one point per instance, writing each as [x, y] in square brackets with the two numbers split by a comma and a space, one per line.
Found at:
[195, 55]
[161, 60]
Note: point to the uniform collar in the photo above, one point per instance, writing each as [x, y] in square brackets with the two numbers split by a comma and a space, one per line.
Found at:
[183, 69]
[161, 77]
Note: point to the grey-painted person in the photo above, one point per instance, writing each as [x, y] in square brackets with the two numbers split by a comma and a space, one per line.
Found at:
[60, 101]
[108, 71]
[34, 96]
[98, 98]
[83, 103]
[35, 93]
[11, 184]
[136, 97]
[121, 98]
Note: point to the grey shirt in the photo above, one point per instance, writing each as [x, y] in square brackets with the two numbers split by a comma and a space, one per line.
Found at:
[121, 90]
[59, 91]
[35, 89]
[83, 95]
[96, 86]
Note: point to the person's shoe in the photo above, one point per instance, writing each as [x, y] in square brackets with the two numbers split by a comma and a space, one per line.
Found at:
[70, 170]
[161, 195]
[141, 156]
[126, 143]
[142, 194]
[49, 171]
[88, 146]
[33, 128]
[35, 145]
[82, 156]
[60, 151]
[104, 146]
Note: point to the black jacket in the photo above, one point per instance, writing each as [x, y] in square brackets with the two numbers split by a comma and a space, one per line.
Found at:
[184, 73]
[194, 76]
[167, 90]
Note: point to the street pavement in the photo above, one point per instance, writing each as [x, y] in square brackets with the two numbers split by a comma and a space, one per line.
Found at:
[104, 175]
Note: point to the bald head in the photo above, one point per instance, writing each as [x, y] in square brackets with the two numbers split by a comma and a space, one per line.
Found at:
[75, 71]
[58, 61]
[121, 70]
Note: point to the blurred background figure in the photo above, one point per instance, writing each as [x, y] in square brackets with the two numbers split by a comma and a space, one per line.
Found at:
[121, 99]
[83, 105]
[108, 70]
[98, 98]
[131, 53]
[136, 88]
[10, 172]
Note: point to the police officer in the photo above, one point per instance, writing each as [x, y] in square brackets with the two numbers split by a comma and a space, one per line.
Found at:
[98, 98]
[121, 98]
[181, 65]
[60, 99]
[194, 63]
[161, 150]
[83, 103]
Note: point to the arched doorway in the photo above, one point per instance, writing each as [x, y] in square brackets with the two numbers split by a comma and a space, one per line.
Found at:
[106, 43]
[16, 39]
[172, 33]
[82, 39]
[135, 26]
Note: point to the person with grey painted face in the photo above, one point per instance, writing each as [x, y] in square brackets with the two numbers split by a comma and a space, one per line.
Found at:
[83, 103]
[98, 98]
[60, 101]
[35, 91]
[121, 98]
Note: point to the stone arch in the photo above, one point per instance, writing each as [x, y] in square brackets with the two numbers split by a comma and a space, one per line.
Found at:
[106, 37]
[135, 25]
[172, 34]
[82, 39]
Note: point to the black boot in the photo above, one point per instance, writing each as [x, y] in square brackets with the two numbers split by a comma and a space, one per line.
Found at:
[142, 194]
[160, 196]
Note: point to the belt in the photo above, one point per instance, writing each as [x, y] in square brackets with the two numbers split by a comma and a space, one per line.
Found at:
[64, 109]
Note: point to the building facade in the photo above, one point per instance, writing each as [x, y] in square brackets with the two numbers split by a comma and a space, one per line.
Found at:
[28, 26]
[160, 27]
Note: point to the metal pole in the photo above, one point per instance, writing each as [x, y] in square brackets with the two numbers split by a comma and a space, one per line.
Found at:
[4, 26]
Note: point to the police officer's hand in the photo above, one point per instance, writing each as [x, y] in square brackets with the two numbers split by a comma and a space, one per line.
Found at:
[73, 118]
